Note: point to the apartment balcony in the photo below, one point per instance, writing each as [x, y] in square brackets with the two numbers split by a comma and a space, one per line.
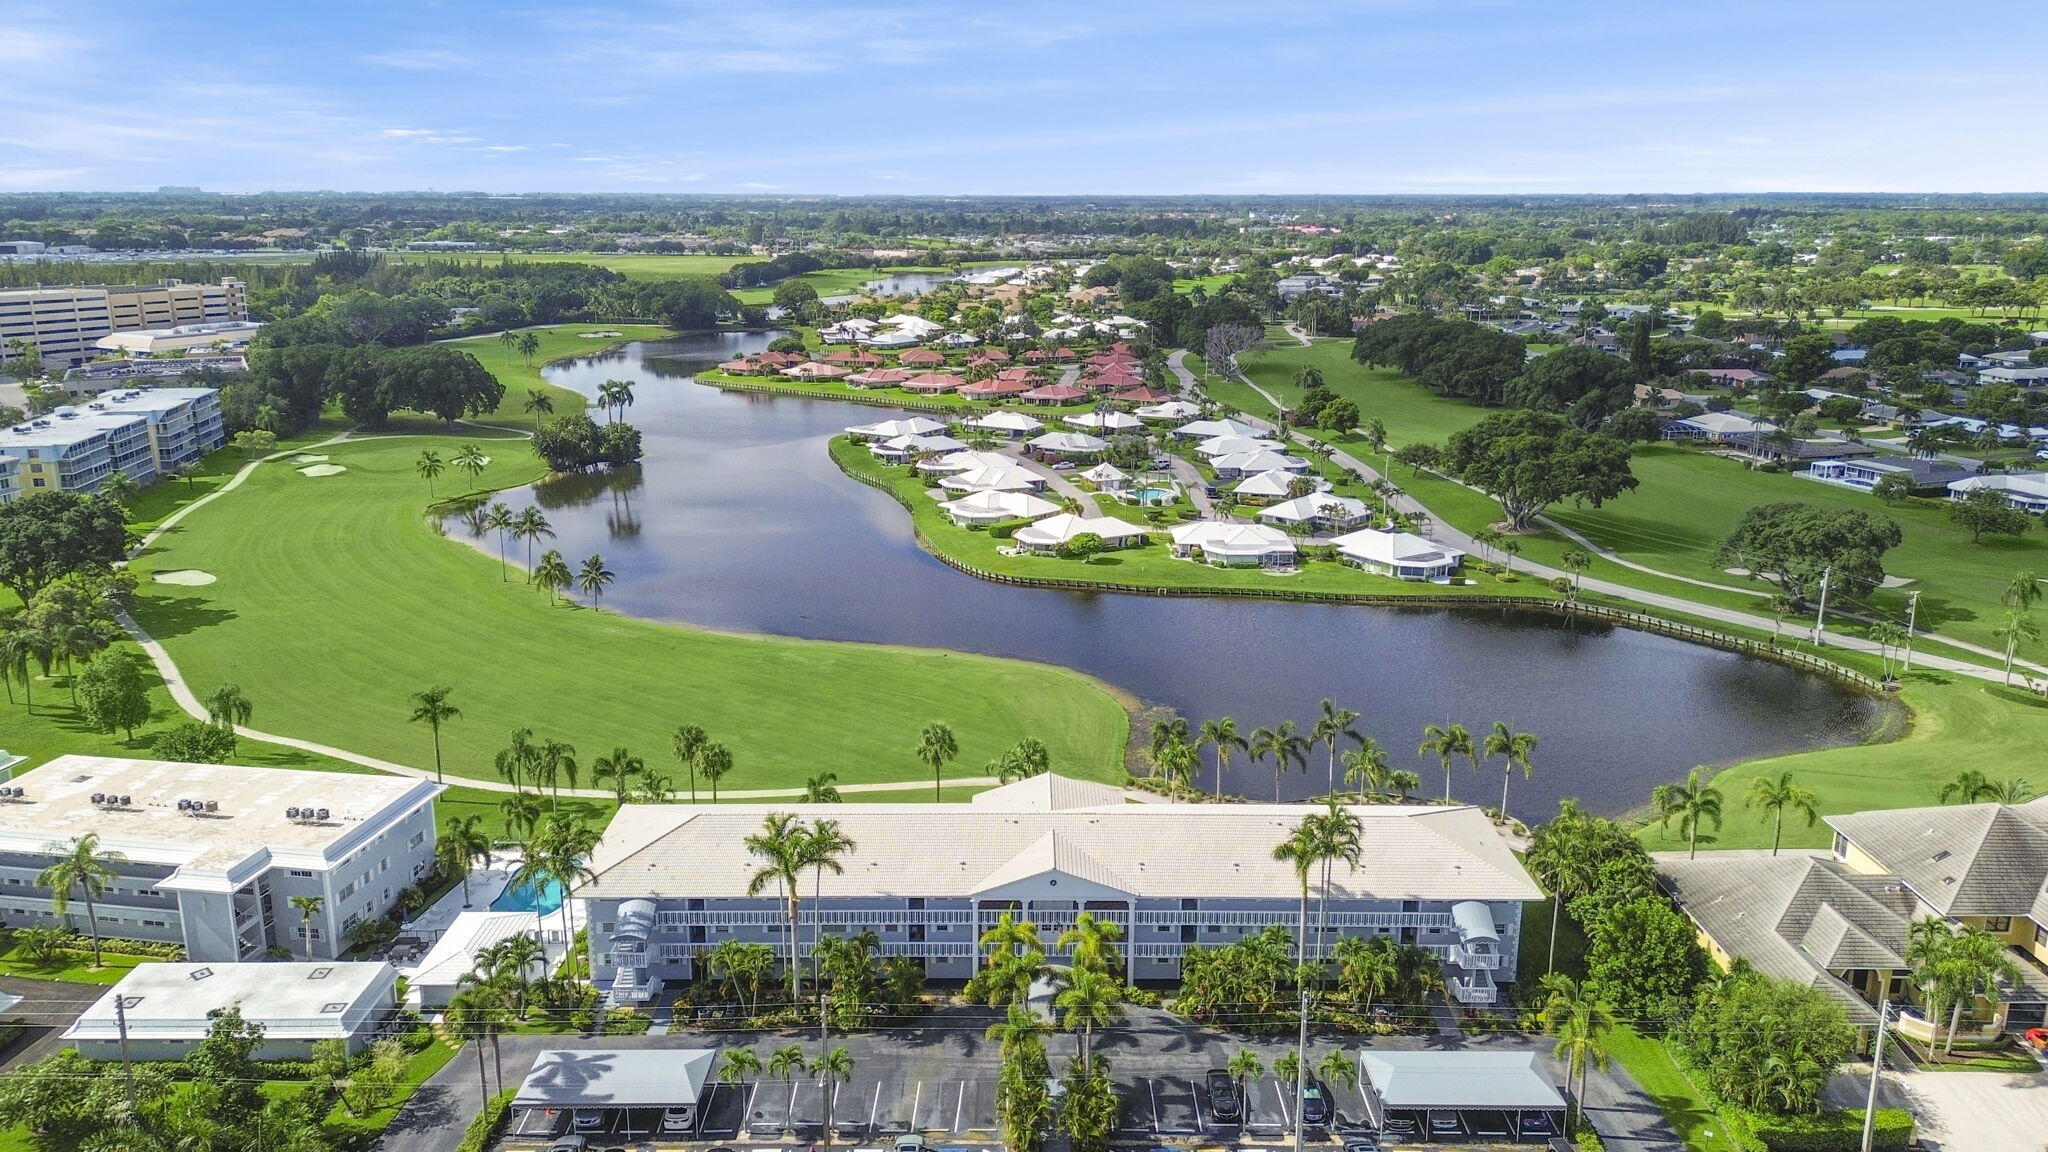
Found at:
[1464, 957]
[1472, 988]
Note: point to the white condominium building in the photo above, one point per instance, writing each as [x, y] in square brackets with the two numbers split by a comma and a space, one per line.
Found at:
[671, 881]
[211, 854]
[146, 433]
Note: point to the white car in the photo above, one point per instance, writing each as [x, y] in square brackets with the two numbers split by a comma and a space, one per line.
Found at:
[680, 1118]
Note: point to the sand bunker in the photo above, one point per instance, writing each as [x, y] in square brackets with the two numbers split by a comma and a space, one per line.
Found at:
[188, 576]
[303, 458]
[322, 470]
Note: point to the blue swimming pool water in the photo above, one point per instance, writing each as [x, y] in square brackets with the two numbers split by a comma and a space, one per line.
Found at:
[1154, 495]
[522, 897]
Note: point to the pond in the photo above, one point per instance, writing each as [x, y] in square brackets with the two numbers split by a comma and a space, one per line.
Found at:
[908, 283]
[738, 520]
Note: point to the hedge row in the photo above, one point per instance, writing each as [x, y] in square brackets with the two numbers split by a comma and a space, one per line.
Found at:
[1840, 1130]
[484, 1129]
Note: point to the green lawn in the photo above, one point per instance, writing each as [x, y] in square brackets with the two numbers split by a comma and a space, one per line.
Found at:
[1209, 284]
[77, 969]
[895, 397]
[336, 600]
[1653, 1067]
[521, 374]
[828, 282]
[1411, 412]
[631, 265]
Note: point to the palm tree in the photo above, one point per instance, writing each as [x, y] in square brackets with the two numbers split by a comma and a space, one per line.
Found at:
[80, 864]
[430, 467]
[781, 846]
[1968, 787]
[228, 708]
[822, 849]
[786, 1062]
[563, 850]
[308, 907]
[2016, 791]
[557, 761]
[528, 344]
[1302, 848]
[522, 813]
[1774, 796]
[1285, 745]
[432, 708]
[1978, 962]
[1562, 857]
[1513, 748]
[1222, 735]
[1166, 732]
[713, 763]
[1179, 763]
[1580, 1020]
[1337, 1068]
[1446, 744]
[1093, 941]
[537, 404]
[1691, 802]
[832, 1068]
[594, 577]
[499, 519]
[823, 789]
[1334, 722]
[1340, 835]
[553, 574]
[529, 526]
[1244, 1066]
[1366, 767]
[461, 845]
[481, 1011]
[935, 746]
[1576, 561]
[688, 743]
[620, 767]
[738, 1063]
[1090, 1000]
[471, 459]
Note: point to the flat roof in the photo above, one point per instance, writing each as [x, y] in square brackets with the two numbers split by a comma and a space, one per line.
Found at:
[1482, 1080]
[250, 817]
[291, 1000]
[610, 1078]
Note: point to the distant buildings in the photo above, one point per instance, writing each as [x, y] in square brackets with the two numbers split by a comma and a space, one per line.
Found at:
[184, 338]
[145, 433]
[211, 854]
[66, 324]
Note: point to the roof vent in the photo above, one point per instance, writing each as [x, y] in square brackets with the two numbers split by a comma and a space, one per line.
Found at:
[200, 973]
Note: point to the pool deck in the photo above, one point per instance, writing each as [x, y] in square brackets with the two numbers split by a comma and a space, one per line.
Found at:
[486, 884]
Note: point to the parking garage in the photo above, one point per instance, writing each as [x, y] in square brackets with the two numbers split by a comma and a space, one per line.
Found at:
[1486, 1097]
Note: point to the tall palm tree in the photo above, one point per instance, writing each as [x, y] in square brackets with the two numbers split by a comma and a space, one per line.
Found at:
[515, 762]
[1179, 763]
[737, 1064]
[471, 459]
[619, 767]
[1692, 802]
[1221, 734]
[529, 525]
[462, 845]
[1089, 1001]
[1333, 724]
[1301, 849]
[538, 405]
[307, 908]
[1285, 745]
[499, 519]
[80, 864]
[553, 574]
[713, 763]
[1514, 749]
[481, 1012]
[1978, 962]
[557, 762]
[935, 746]
[780, 845]
[430, 467]
[1446, 744]
[786, 1062]
[1562, 857]
[1366, 767]
[228, 708]
[824, 847]
[594, 577]
[1166, 732]
[688, 744]
[1774, 796]
[832, 1068]
[1093, 941]
[564, 849]
[1245, 1066]
[1580, 1019]
[522, 814]
[1968, 787]
[1340, 837]
[432, 708]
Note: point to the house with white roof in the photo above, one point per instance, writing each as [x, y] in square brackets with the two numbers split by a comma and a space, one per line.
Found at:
[847, 331]
[670, 880]
[1106, 476]
[890, 429]
[1232, 445]
[1049, 534]
[1252, 463]
[1166, 410]
[1230, 544]
[1210, 429]
[2026, 491]
[887, 338]
[994, 506]
[917, 326]
[1318, 512]
[1718, 427]
[1004, 477]
[1105, 421]
[1265, 487]
[165, 1008]
[1402, 555]
[965, 461]
[897, 449]
[1067, 444]
[1009, 424]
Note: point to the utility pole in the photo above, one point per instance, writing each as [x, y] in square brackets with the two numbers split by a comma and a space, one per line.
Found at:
[1301, 1060]
[1912, 614]
[1884, 1015]
[121, 1026]
[1820, 619]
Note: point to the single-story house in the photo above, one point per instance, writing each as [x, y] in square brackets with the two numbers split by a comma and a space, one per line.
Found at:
[933, 382]
[1787, 451]
[1253, 463]
[1053, 394]
[299, 1004]
[886, 338]
[921, 358]
[995, 388]
[879, 378]
[898, 449]
[1141, 395]
[1210, 429]
[2031, 377]
[890, 429]
[1735, 377]
[846, 331]
[964, 461]
[1318, 512]
[1106, 476]
[917, 326]
[1717, 427]
[1265, 487]
[2026, 491]
[1402, 555]
[1067, 444]
[1229, 544]
[1234, 445]
[1863, 475]
[1008, 478]
[994, 506]
[1105, 421]
[1010, 424]
[1049, 534]
[1168, 410]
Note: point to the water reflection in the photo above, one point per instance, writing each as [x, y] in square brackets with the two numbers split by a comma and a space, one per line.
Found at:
[738, 520]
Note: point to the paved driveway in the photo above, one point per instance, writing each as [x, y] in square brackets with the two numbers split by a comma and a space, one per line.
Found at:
[1962, 1111]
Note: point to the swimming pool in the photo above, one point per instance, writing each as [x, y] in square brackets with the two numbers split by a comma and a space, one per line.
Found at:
[522, 897]
[1154, 495]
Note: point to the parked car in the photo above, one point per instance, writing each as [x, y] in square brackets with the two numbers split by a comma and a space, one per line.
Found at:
[1224, 1103]
[1315, 1104]
[570, 1144]
[1444, 1123]
[1537, 1124]
[679, 1118]
[910, 1142]
[585, 1119]
[1398, 1126]
[1361, 1142]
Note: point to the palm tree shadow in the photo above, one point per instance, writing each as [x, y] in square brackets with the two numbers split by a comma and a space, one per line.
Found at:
[179, 616]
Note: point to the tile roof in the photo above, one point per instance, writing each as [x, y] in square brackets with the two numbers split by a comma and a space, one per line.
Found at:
[1960, 859]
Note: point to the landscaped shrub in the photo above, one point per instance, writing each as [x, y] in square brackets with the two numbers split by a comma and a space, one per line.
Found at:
[1840, 1130]
[484, 1129]
[1004, 529]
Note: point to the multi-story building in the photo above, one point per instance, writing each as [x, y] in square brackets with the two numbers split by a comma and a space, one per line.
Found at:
[210, 855]
[65, 324]
[165, 1010]
[145, 433]
[671, 882]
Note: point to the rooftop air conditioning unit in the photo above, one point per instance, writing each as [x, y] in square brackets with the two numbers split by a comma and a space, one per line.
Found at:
[184, 805]
[124, 799]
[323, 814]
[213, 805]
[291, 813]
[99, 797]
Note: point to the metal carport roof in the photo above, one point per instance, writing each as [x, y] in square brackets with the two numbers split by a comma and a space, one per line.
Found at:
[1490, 1080]
[600, 1078]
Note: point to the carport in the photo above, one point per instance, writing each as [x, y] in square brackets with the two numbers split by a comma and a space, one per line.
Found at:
[628, 1089]
[1459, 1096]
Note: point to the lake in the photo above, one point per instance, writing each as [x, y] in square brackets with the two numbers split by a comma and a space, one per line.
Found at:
[738, 520]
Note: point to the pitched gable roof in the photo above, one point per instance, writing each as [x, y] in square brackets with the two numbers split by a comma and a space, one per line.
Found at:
[1962, 859]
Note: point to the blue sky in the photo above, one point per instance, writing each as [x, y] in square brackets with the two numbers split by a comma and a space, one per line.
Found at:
[1108, 96]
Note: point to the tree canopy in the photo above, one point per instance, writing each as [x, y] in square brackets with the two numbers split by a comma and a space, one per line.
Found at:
[1585, 385]
[48, 535]
[1793, 544]
[1530, 460]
